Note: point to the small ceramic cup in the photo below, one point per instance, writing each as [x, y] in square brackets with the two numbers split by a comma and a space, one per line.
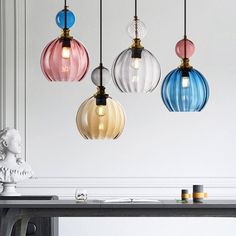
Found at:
[81, 195]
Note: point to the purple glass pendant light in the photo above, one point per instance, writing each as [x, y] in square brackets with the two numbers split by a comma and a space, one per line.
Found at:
[65, 58]
[185, 89]
[136, 70]
[100, 116]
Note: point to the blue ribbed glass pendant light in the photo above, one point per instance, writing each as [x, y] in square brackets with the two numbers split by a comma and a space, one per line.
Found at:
[185, 89]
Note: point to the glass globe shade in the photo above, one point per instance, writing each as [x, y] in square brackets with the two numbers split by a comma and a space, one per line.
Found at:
[106, 76]
[60, 19]
[180, 48]
[60, 63]
[100, 122]
[185, 93]
[141, 31]
[136, 75]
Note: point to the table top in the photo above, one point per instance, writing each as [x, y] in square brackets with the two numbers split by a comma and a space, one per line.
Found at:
[96, 204]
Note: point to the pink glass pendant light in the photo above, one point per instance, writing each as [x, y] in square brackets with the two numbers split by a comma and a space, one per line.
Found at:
[65, 58]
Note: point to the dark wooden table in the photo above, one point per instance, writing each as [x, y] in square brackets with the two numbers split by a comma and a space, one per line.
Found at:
[14, 210]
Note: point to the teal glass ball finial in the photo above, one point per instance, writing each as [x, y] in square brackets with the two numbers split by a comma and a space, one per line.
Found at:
[60, 19]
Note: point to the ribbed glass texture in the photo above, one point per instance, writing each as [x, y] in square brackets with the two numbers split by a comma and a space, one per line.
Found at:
[137, 29]
[106, 76]
[185, 94]
[60, 19]
[64, 64]
[100, 122]
[136, 75]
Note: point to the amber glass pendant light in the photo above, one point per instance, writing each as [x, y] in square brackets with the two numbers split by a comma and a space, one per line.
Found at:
[100, 116]
[65, 58]
[136, 70]
[185, 89]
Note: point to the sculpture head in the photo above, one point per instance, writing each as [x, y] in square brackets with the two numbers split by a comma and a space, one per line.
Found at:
[10, 141]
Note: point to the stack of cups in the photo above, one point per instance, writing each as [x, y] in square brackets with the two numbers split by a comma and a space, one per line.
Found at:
[185, 195]
[198, 194]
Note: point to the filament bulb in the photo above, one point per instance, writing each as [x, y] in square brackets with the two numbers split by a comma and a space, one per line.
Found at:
[185, 82]
[135, 79]
[66, 52]
[101, 126]
[101, 110]
[136, 63]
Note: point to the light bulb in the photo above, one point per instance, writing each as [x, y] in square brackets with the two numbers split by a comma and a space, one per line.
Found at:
[135, 79]
[101, 110]
[185, 82]
[101, 126]
[65, 69]
[136, 63]
[66, 52]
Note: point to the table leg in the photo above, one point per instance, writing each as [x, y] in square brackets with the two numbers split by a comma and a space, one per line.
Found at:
[24, 224]
[8, 219]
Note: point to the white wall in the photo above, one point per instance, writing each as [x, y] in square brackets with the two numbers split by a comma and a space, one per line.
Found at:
[159, 152]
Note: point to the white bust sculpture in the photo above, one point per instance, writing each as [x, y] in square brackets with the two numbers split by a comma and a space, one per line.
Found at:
[12, 168]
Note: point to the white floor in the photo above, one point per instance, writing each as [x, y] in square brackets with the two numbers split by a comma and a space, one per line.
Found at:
[147, 227]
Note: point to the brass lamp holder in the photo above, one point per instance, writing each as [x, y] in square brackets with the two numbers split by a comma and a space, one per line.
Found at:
[136, 43]
[66, 34]
[185, 64]
[65, 38]
[136, 48]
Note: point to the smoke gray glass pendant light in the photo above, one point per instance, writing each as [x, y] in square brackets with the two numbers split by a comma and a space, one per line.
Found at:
[100, 116]
[136, 70]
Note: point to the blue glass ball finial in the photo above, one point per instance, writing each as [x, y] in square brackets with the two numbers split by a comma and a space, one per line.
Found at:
[60, 19]
[185, 90]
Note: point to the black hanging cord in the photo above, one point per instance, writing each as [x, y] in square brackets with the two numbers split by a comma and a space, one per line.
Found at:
[66, 39]
[185, 18]
[136, 17]
[101, 64]
[65, 11]
[185, 28]
[136, 8]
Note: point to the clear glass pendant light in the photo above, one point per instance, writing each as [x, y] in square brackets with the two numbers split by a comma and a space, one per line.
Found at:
[185, 89]
[65, 58]
[100, 116]
[136, 70]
